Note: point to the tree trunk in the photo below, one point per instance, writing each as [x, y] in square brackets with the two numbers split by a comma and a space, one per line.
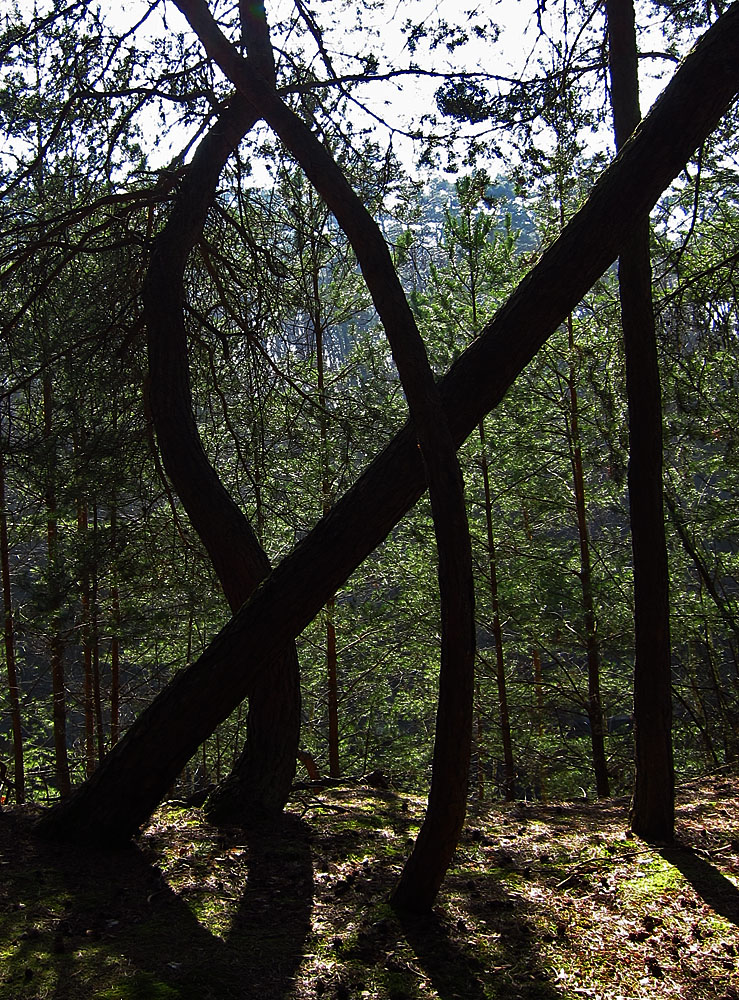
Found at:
[19, 781]
[592, 645]
[437, 839]
[509, 791]
[332, 679]
[115, 621]
[264, 772]
[86, 640]
[95, 643]
[334, 762]
[653, 805]
[539, 689]
[125, 789]
[56, 643]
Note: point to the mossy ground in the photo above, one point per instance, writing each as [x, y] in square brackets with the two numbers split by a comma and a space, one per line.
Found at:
[543, 902]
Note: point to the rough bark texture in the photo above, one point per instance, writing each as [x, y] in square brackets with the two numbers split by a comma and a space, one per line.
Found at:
[263, 774]
[653, 805]
[125, 789]
[437, 840]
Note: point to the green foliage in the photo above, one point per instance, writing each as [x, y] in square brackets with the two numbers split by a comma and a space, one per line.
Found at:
[272, 274]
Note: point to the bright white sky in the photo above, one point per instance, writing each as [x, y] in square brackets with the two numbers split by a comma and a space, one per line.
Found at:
[520, 43]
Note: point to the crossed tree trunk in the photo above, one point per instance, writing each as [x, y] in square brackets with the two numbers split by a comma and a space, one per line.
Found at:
[126, 787]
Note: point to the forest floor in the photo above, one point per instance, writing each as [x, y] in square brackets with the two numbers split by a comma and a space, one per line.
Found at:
[544, 902]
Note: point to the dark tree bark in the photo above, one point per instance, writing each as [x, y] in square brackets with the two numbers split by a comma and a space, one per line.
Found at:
[135, 775]
[115, 617]
[260, 781]
[437, 839]
[86, 640]
[19, 781]
[263, 774]
[56, 643]
[653, 805]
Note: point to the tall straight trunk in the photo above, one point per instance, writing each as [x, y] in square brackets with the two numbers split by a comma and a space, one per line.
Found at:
[479, 740]
[653, 805]
[592, 644]
[334, 762]
[505, 722]
[332, 679]
[115, 644]
[86, 640]
[56, 641]
[126, 788]
[95, 643]
[19, 780]
[539, 692]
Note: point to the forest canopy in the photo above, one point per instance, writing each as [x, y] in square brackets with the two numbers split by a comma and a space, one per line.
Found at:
[330, 429]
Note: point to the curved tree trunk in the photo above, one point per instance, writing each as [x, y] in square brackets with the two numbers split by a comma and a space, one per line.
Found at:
[653, 806]
[437, 839]
[135, 775]
[263, 774]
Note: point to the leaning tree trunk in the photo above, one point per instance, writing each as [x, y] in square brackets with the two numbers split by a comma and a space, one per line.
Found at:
[437, 839]
[653, 806]
[136, 774]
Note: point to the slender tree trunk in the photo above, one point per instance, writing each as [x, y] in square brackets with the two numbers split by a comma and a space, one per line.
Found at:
[334, 763]
[86, 640]
[56, 642]
[653, 805]
[539, 691]
[95, 642]
[479, 741]
[332, 679]
[19, 780]
[704, 573]
[437, 839]
[125, 789]
[592, 644]
[115, 618]
[505, 723]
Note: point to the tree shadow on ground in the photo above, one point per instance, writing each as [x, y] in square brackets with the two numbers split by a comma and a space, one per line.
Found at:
[112, 921]
[457, 971]
[513, 924]
[714, 888]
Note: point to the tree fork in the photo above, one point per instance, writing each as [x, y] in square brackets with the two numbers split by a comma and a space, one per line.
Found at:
[264, 771]
[437, 839]
[111, 805]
